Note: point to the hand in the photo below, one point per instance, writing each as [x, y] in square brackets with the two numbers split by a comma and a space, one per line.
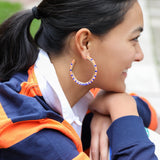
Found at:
[99, 104]
[99, 139]
[114, 104]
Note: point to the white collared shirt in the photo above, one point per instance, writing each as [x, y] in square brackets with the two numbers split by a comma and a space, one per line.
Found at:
[54, 96]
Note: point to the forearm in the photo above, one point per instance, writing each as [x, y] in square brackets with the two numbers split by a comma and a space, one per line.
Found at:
[127, 135]
[128, 139]
[122, 105]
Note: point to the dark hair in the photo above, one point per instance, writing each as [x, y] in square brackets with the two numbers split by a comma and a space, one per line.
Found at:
[58, 19]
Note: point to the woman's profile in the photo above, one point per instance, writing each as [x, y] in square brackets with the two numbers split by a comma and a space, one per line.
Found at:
[48, 82]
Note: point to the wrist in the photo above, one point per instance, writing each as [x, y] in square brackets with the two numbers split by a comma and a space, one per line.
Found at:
[122, 105]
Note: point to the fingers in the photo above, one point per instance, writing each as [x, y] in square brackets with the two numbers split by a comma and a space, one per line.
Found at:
[99, 139]
[94, 149]
[99, 148]
[104, 146]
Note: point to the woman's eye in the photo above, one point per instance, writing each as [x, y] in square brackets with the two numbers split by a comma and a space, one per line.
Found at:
[136, 39]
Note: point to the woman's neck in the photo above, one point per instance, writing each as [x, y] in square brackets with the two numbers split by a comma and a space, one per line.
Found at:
[72, 91]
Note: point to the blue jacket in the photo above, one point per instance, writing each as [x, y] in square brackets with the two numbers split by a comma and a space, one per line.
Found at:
[31, 130]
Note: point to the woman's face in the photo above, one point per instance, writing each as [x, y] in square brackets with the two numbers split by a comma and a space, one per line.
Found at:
[117, 50]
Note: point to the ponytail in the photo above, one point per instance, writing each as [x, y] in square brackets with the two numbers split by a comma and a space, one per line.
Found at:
[18, 51]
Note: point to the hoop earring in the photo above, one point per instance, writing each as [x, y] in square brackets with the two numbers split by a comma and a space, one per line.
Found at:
[93, 77]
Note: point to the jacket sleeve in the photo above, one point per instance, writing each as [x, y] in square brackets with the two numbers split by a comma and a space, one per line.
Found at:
[128, 140]
[46, 144]
[146, 112]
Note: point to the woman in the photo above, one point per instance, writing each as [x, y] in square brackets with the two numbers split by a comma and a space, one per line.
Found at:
[45, 92]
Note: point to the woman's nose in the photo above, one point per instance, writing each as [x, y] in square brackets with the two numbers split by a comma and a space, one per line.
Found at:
[139, 54]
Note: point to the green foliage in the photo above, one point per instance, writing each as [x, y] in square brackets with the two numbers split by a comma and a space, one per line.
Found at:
[34, 26]
[7, 9]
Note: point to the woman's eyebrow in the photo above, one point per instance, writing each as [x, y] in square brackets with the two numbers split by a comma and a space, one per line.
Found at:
[138, 29]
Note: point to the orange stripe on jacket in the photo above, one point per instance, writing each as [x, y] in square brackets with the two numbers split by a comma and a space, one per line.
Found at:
[154, 122]
[16, 132]
[81, 156]
[30, 88]
[5, 121]
[95, 91]
[2, 113]
[76, 139]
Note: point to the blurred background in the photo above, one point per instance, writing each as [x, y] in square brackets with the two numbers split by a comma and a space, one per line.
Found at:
[143, 78]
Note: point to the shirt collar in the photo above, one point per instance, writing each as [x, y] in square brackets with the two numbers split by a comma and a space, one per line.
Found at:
[53, 93]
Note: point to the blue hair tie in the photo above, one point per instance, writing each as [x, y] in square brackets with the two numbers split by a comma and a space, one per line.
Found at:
[35, 12]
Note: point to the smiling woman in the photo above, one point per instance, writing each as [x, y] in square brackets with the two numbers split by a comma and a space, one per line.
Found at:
[117, 50]
[43, 98]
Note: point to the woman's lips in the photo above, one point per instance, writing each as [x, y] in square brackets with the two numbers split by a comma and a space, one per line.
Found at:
[125, 73]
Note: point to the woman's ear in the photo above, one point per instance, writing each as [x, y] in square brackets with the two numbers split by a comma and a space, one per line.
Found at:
[82, 41]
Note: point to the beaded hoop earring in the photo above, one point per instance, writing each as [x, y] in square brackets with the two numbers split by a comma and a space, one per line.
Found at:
[93, 77]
